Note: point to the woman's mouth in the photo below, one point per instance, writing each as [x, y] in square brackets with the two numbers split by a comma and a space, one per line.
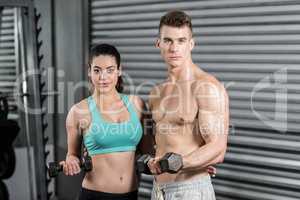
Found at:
[103, 84]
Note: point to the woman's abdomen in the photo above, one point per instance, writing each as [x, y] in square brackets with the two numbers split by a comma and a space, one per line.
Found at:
[113, 173]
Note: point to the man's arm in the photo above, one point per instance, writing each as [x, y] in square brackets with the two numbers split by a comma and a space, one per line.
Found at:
[213, 121]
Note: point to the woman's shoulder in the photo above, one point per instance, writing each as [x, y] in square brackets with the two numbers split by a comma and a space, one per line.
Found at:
[80, 108]
[79, 113]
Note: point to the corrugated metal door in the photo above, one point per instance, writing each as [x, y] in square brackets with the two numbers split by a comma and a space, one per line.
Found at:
[8, 56]
[253, 47]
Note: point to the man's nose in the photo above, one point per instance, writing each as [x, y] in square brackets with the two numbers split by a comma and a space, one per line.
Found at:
[174, 47]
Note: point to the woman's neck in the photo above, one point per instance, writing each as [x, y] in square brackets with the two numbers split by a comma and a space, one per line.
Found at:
[104, 99]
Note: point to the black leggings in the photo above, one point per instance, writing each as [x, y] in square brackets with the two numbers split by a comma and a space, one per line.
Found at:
[86, 194]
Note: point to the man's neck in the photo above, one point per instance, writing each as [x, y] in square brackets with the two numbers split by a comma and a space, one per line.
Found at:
[181, 73]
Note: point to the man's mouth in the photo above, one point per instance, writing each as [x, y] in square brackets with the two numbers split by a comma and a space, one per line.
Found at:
[174, 57]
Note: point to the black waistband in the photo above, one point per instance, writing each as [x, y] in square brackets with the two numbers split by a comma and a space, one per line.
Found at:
[93, 194]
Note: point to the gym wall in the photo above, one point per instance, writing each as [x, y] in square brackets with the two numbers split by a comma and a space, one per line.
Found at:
[253, 48]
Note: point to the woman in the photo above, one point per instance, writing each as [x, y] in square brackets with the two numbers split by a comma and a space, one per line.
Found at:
[110, 123]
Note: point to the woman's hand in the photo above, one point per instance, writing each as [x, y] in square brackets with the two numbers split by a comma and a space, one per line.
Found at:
[71, 166]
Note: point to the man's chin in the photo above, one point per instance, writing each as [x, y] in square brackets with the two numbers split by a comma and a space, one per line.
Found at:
[175, 64]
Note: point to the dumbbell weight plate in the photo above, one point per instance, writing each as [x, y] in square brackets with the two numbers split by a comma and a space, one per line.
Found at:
[87, 163]
[142, 164]
[171, 162]
[53, 169]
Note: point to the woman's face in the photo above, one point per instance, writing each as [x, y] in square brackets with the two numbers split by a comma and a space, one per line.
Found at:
[104, 73]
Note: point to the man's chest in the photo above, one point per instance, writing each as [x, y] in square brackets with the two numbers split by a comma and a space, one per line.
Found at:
[175, 104]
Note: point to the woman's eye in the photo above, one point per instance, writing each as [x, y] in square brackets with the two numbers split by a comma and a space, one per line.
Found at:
[110, 71]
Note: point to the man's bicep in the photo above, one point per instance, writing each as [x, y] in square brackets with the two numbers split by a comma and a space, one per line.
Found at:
[213, 115]
[212, 128]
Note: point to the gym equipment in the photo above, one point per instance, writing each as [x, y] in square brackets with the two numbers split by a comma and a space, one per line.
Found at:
[8, 163]
[10, 130]
[142, 164]
[171, 163]
[3, 192]
[3, 107]
[54, 167]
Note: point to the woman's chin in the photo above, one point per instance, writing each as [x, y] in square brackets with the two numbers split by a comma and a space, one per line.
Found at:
[104, 90]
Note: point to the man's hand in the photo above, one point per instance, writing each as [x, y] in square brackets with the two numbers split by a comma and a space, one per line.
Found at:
[212, 171]
[154, 166]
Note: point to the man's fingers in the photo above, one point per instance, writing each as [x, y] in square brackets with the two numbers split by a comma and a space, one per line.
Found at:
[212, 171]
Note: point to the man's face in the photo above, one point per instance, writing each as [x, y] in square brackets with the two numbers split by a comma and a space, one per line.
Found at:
[175, 45]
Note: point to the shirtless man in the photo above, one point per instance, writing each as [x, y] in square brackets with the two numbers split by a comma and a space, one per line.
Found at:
[191, 115]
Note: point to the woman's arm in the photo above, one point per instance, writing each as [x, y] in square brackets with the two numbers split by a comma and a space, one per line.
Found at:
[74, 139]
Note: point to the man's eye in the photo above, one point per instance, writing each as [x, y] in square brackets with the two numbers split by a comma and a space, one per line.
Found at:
[96, 70]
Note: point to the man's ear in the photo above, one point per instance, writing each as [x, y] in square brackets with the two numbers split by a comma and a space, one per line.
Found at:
[192, 43]
[157, 43]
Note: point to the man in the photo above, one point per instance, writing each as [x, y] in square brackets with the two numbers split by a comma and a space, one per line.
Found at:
[190, 111]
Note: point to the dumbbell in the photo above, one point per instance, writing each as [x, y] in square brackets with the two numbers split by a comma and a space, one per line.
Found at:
[54, 167]
[142, 164]
[171, 163]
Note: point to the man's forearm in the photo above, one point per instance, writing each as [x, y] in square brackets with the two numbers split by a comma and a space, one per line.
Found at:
[203, 157]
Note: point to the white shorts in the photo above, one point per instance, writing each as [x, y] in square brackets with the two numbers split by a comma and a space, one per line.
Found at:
[196, 189]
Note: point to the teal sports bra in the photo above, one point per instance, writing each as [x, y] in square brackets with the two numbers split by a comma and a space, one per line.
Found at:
[107, 137]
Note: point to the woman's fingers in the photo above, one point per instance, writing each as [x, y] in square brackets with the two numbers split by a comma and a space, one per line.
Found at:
[74, 167]
[70, 167]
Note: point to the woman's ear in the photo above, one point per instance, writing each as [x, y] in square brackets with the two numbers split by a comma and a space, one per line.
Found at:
[89, 71]
[157, 43]
[120, 71]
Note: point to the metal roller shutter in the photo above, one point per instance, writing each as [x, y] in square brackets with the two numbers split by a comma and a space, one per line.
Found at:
[253, 48]
[7, 55]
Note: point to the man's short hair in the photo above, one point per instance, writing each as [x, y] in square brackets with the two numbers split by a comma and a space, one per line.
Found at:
[176, 18]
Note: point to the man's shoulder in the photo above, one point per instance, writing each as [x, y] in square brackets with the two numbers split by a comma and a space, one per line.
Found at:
[207, 83]
[156, 89]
